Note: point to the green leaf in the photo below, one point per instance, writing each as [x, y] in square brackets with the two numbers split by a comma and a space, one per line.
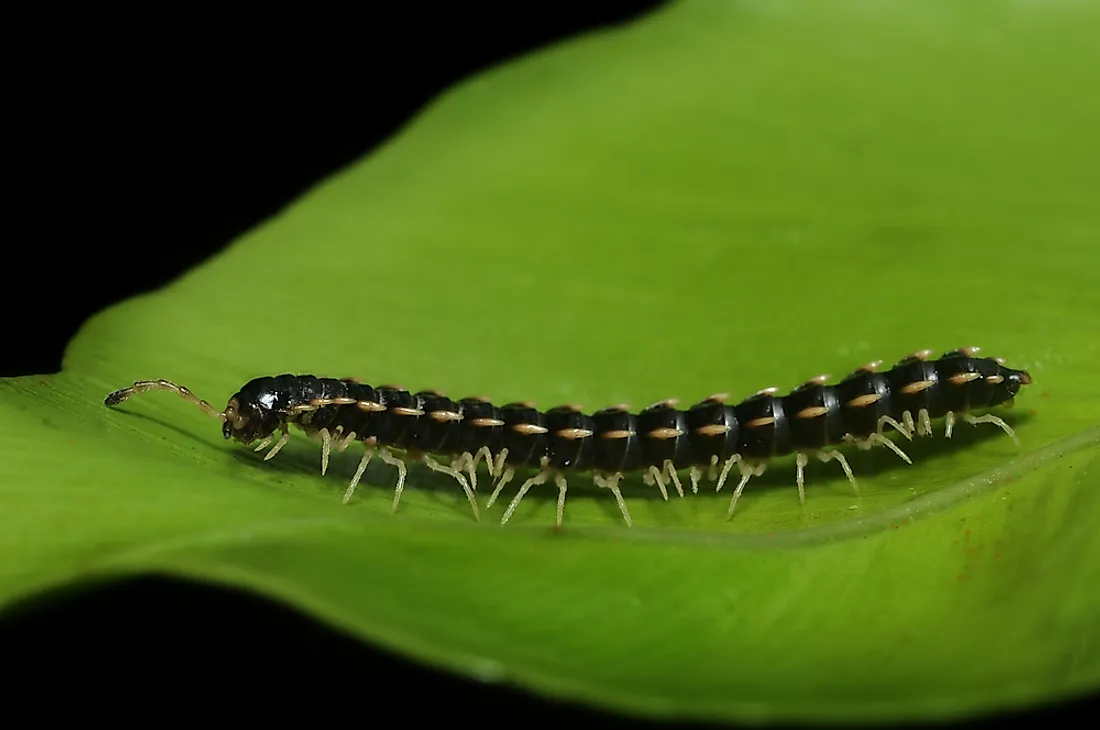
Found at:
[724, 196]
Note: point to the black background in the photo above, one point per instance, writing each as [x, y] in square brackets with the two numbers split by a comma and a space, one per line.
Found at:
[143, 146]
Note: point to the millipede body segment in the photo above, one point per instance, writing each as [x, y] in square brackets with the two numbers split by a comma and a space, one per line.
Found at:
[708, 439]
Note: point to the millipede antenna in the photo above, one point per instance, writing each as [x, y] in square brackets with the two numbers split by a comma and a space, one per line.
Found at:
[143, 385]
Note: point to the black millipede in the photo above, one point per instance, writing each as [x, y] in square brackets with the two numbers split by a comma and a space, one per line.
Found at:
[660, 441]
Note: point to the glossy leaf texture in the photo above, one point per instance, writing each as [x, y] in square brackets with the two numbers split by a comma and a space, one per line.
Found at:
[720, 197]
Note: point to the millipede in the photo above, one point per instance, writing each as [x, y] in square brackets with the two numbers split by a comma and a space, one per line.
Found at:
[661, 441]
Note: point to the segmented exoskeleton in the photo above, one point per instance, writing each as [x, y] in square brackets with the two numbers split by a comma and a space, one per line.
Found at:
[708, 439]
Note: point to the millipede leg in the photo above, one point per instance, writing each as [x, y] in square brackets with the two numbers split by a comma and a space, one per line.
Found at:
[949, 424]
[471, 471]
[457, 475]
[653, 475]
[800, 462]
[278, 445]
[612, 483]
[670, 469]
[461, 462]
[924, 423]
[837, 456]
[358, 473]
[562, 486]
[881, 440]
[345, 441]
[498, 463]
[696, 474]
[509, 472]
[539, 478]
[907, 421]
[888, 421]
[389, 458]
[735, 459]
[470, 460]
[746, 475]
[482, 453]
[990, 418]
[326, 449]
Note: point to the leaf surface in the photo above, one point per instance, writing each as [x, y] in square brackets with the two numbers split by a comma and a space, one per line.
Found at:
[722, 197]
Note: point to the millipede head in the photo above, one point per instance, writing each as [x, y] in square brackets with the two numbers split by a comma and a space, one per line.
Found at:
[256, 411]
[1010, 384]
[237, 421]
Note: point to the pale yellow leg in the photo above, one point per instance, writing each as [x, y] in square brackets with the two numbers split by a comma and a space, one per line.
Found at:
[670, 469]
[949, 423]
[612, 483]
[389, 458]
[880, 440]
[696, 474]
[359, 473]
[326, 449]
[652, 476]
[990, 418]
[924, 422]
[837, 456]
[746, 474]
[907, 421]
[345, 442]
[457, 476]
[562, 485]
[735, 459]
[800, 462]
[509, 472]
[465, 462]
[278, 446]
[498, 463]
[539, 478]
[471, 460]
[888, 421]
